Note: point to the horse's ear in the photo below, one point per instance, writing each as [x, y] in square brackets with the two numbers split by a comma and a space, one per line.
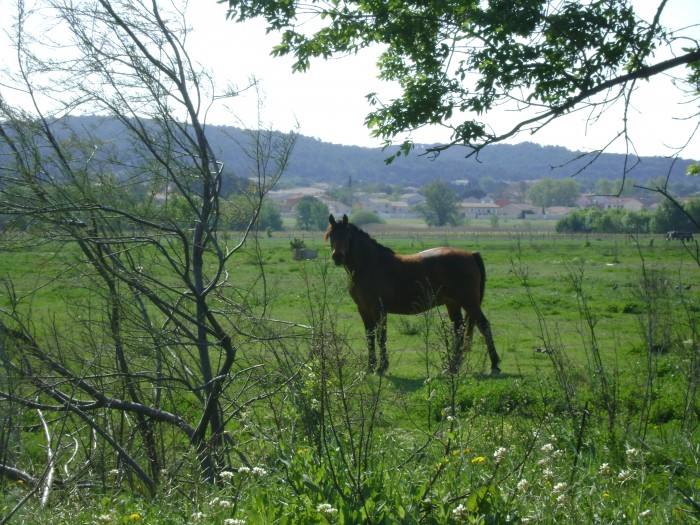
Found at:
[345, 219]
[331, 219]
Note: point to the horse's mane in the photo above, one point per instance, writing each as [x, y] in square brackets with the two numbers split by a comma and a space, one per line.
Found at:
[366, 237]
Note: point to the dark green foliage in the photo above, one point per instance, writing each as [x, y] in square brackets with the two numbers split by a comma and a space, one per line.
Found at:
[311, 214]
[556, 55]
[440, 205]
[548, 192]
[667, 217]
[360, 218]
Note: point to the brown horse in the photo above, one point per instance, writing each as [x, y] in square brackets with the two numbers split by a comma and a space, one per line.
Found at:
[383, 282]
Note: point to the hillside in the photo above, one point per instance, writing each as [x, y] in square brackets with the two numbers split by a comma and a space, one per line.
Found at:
[315, 161]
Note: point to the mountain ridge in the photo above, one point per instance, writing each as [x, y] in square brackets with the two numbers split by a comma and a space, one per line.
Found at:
[314, 160]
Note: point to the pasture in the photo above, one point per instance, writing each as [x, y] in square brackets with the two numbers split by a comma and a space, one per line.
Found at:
[594, 418]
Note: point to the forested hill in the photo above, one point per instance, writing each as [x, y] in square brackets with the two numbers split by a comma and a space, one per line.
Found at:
[317, 161]
[314, 160]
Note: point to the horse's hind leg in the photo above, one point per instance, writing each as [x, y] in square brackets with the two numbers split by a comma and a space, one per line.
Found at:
[485, 329]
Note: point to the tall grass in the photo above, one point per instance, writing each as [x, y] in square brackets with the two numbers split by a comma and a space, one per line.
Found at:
[594, 420]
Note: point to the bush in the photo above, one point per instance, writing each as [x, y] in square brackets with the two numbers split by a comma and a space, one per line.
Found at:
[361, 218]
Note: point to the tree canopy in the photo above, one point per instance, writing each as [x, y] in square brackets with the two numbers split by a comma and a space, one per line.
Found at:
[440, 205]
[311, 213]
[550, 192]
[457, 60]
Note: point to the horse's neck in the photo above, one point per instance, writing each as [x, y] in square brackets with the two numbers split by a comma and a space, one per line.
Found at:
[368, 257]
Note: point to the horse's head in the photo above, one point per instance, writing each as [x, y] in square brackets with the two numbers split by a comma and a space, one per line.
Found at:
[339, 234]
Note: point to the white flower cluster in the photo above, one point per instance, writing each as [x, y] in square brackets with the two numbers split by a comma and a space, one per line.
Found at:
[460, 512]
[326, 509]
[500, 454]
[255, 471]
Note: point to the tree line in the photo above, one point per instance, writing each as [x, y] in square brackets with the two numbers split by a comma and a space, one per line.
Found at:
[668, 216]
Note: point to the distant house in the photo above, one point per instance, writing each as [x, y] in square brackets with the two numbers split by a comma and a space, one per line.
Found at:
[477, 210]
[605, 202]
[412, 198]
[287, 199]
[334, 207]
[557, 212]
[379, 206]
[521, 211]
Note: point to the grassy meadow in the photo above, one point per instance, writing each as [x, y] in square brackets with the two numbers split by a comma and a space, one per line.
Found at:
[594, 418]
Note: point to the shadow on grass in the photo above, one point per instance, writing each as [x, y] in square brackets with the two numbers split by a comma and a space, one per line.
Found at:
[413, 384]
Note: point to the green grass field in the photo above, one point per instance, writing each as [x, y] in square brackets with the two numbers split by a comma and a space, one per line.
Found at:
[593, 420]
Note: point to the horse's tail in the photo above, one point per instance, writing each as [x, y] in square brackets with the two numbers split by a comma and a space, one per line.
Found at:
[482, 273]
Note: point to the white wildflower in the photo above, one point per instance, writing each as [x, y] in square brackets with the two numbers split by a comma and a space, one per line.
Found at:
[244, 470]
[231, 521]
[632, 453]
[460, 512]
[547, 474]
[625, 474]
[523, 485]
[604, 469]
[645, 513]
[226, 474]
[559, 488]
[326, 509]
[259, 471]
[500, 453]
[105, 517]
[197, 516]
[225, 504]
[547, 447]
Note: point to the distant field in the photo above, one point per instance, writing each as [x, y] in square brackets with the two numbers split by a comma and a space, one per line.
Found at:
[611, 268]
[470, 224]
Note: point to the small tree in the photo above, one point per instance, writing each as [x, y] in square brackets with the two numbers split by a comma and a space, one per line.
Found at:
[440, 205]
[139, 360]
[550, 192]
[671, 216]
[362, 217]
[311, 214]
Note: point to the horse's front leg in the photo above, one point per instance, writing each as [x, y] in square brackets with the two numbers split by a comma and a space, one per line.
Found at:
[381, 337]
[370, 329]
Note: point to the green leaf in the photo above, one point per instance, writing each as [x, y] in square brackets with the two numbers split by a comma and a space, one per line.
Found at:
[482, 500]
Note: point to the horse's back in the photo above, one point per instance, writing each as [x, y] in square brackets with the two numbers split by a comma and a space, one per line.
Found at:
[448, 274]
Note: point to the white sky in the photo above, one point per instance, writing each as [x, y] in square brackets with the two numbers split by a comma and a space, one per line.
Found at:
[329, 103]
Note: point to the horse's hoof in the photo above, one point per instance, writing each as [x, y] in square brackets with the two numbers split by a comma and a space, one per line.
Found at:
[495, 371]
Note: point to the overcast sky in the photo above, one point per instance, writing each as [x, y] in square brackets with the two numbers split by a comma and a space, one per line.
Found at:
[329, 103]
